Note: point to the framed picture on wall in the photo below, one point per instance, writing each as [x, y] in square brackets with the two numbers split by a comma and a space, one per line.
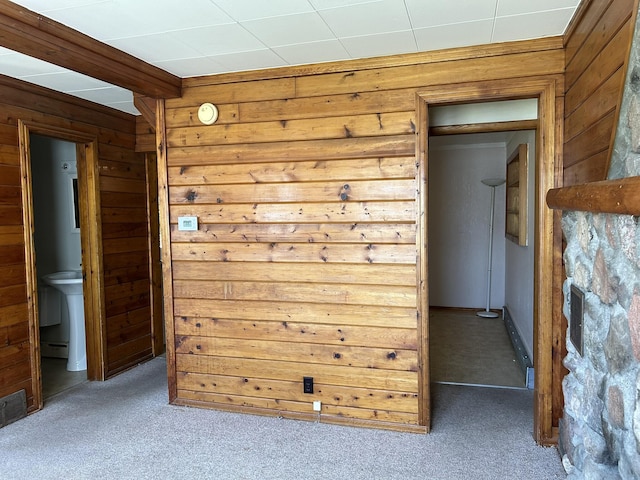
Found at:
[517, 195]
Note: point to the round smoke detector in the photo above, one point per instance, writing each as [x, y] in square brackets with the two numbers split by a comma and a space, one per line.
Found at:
[208, 113]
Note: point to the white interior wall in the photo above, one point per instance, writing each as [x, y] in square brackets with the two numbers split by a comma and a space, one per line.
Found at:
[484, 112]
[459, 213]
[57, 242]
[519, 271]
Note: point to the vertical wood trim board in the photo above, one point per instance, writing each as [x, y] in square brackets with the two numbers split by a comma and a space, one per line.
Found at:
[304, 262]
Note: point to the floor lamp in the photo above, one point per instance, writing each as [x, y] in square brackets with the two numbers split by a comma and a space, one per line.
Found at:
[493, 183]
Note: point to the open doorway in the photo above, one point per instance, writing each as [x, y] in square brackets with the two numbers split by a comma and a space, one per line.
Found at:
[58, 255]
[481, 305]
[548, 142]
[77, 196]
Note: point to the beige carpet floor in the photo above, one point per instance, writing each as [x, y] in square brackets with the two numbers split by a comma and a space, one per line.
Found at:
[124, 429]
[469, 350]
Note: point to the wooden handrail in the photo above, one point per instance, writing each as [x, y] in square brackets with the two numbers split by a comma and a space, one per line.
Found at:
[620, 196]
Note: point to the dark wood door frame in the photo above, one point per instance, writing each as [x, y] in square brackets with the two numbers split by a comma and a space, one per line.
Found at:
[91, 241]
[548, 162]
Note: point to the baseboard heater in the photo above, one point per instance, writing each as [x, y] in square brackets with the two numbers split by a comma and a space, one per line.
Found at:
[54, 349]
[524, 361]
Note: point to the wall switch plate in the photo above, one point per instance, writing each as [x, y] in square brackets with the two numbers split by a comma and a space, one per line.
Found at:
[188, 224]
[317, 405]
[307, 384]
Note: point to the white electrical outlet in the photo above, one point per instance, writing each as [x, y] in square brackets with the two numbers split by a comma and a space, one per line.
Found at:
[317, 406]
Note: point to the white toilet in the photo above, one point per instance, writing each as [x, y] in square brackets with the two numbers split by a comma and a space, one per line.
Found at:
[70, 284]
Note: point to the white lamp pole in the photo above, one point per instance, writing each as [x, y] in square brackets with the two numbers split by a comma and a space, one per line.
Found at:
[493, 183]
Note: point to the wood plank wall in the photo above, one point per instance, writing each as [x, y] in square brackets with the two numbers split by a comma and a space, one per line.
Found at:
[125, 239]
[597, 47]
[304, 263]
[124, 226]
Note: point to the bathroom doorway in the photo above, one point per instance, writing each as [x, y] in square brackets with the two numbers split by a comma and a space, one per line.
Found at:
[59, 201]
[56, 236]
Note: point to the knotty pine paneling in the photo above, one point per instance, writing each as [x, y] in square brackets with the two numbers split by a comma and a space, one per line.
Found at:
[304, 262]
[126, 258]
[122, 180]
[597, 47]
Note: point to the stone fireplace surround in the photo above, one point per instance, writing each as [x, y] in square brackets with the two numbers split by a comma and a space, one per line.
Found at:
[600, 429]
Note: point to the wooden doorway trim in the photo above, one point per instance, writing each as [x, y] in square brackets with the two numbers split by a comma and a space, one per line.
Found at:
[91, 243]
[155, 264]
[548, 161]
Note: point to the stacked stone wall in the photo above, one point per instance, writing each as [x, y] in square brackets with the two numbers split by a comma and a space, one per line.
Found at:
[600, 430]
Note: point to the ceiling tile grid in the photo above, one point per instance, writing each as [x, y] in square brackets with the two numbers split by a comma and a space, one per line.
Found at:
[203, 37]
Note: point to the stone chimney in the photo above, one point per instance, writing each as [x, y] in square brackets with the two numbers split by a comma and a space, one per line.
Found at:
[600, 431]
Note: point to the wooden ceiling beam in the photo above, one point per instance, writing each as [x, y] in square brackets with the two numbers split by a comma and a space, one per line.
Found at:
[32, 34]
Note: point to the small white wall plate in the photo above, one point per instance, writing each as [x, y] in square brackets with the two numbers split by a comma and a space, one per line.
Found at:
[208, 113]
[189, 224]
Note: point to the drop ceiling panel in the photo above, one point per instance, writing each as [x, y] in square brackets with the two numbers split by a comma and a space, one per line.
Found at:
[454, 35]
[532, 25]
[432, 13]
[517, 7]
[381, 44]
[289, 29]
[315, 52]
[220, 39]
[243, 11]
[368, 19]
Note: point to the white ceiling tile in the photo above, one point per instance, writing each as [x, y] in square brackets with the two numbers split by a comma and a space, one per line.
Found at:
[126, 107]
[534, 25]
[66, 81]
[155, 47]
[324, 4]
[316, 52]
[220, 39]
[454, 35]
[104, 95]
[18, 65]
[46, 5]
[170, 15]
[114, 19]
[101, 21]
[383, 44]
[431, 13]
[243, 11]
[257, 59]
[516, 7]
[290, 29]
[367, 19]
[191, 67]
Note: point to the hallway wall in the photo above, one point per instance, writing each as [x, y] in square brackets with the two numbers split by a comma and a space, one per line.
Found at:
[519, 260]
[459, 225]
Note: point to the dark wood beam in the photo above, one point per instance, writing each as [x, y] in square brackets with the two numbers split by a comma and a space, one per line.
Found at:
[147, 108]
[620, 196]
[32, 34]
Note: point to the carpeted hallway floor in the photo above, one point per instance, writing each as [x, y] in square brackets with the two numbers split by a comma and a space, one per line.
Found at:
[124, 429]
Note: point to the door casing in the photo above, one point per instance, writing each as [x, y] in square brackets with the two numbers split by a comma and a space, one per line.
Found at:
[91, 243]
[548, 162]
